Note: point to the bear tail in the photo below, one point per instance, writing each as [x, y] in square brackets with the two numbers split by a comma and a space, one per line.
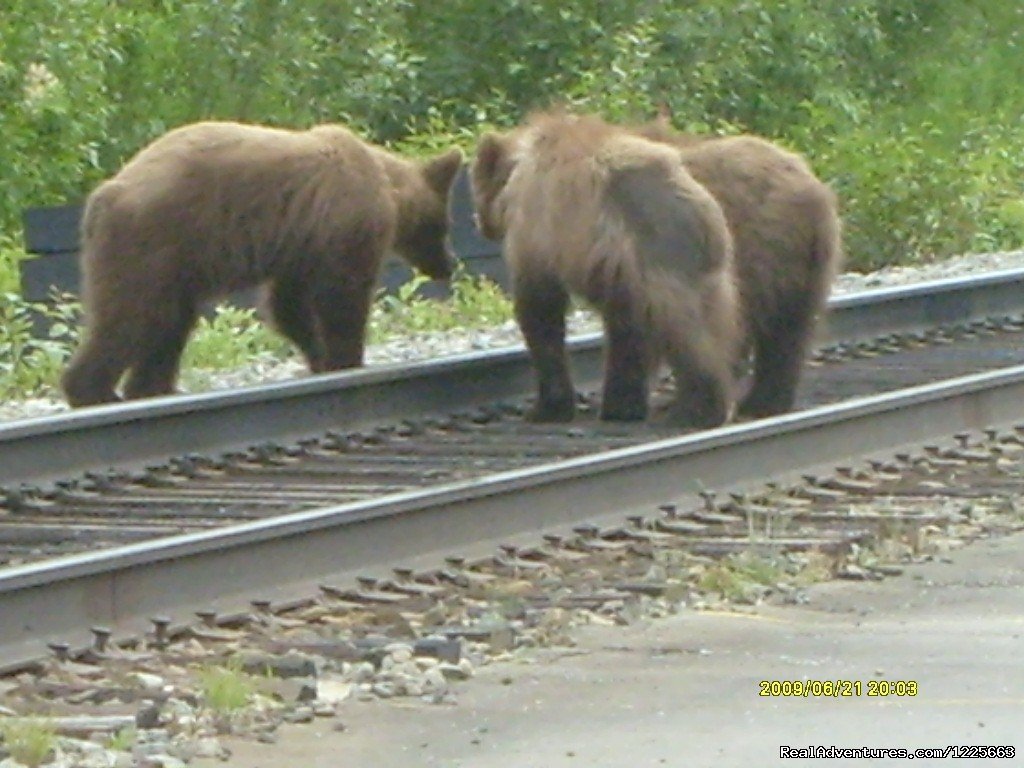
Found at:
[826, 247]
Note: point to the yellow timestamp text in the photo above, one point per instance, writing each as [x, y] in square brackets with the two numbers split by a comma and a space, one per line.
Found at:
[836, 688]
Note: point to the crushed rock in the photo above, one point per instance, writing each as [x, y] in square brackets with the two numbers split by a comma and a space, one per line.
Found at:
[431, 346]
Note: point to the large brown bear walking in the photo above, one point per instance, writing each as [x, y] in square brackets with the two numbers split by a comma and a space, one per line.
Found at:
[215, 207]
[589, 208]
[786, 231]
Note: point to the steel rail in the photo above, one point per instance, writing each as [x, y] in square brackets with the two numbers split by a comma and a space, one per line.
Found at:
[135, 434]
[57, 600]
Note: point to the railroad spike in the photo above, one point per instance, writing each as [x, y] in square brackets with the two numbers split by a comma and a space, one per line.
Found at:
[709, 500]
[587, 530]
[100, 638]
[161, 635]
[61, 651]
[261, 606]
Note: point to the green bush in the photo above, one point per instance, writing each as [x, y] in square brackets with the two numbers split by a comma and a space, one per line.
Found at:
[475, 302]
[31, 365]
[910, 107]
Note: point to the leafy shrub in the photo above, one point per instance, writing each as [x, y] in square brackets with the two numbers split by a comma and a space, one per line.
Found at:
[29, 364]
[475, 302]
[233, 337]
[910, 107]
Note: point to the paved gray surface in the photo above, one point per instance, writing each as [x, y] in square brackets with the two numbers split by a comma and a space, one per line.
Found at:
[684, 691]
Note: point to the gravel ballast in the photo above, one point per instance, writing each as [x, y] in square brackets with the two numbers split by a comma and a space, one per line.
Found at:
[430, 346]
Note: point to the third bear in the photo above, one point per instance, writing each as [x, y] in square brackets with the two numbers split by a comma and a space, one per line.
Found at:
[786, 232]
[587, 208]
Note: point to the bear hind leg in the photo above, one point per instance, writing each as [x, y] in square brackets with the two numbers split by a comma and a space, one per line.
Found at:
[540, 306]
[154, 369]
[780, 346]
[342, 308]
[627, 361]
[96, 367]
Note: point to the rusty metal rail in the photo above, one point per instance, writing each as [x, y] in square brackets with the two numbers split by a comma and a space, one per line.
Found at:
[195, 492]
[224, 568]
[470, 504]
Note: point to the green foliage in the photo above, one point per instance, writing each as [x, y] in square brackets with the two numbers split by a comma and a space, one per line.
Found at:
[232, 338]
[742, 577]
[11, 256]
[30, 365]
[226, 689]
[910, 107]
[30, 742]
[123, 740]
[475, 302]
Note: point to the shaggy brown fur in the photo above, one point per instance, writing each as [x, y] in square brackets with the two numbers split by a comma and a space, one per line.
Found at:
[786, 230]
[212, 208]
[588, 208]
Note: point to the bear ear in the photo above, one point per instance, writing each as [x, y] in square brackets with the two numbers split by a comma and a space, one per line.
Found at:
[490, 153]
[440, 171]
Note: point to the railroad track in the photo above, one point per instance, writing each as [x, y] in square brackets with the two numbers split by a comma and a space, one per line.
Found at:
[435, 459]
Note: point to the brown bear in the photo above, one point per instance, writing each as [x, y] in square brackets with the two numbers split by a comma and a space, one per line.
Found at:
[588, 208]
[215, 207]
[786, 233]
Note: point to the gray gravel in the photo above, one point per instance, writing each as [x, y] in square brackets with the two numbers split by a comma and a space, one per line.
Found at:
[428, 346]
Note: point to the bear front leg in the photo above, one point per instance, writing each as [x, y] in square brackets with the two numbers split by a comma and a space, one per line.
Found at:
[540, 306]
[291, 313]
[342, 309]
[702, 401]
[701, 363]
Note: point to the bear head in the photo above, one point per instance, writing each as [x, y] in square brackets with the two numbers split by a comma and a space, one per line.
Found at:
[489, 174]
[423, 233]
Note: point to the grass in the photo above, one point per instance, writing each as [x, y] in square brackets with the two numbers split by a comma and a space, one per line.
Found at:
[226, 689]
[123, 740]
[233, 337]
[741, 578]
[476, 302]
[29, 742]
